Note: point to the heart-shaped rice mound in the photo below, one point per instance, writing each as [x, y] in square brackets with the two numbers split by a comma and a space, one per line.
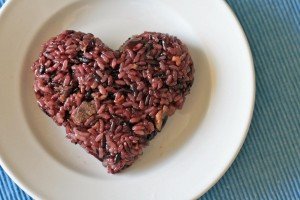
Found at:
[112, 103]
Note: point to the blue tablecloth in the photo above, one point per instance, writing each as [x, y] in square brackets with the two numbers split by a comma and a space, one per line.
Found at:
[268, 166]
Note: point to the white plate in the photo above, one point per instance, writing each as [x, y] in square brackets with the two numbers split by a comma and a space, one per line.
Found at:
[199, 142]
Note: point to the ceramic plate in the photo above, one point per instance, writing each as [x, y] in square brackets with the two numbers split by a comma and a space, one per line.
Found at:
[196, 147]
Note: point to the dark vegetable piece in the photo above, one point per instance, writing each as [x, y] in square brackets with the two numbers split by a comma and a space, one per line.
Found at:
[117, 158]
[151, 135]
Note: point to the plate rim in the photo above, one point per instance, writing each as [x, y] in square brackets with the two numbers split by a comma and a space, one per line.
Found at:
[3, 10]
[249, 120]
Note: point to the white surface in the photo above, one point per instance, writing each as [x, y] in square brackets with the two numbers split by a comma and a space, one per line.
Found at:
[198, 143]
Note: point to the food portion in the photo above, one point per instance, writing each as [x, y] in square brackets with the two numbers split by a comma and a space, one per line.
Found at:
[112, 103]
